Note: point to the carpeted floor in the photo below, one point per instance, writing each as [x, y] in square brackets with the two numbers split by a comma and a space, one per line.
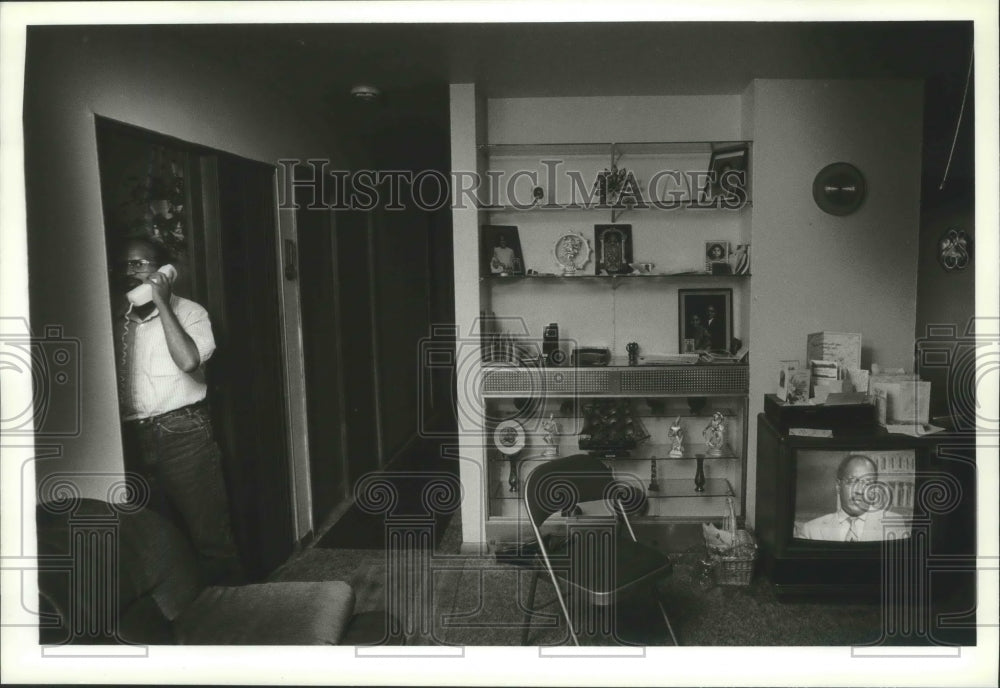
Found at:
[429, 491]
[446, 598]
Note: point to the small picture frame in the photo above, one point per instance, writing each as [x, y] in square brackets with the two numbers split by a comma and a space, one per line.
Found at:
[727, 173]
[785, 370]
[705, 320]
[716, 253]
[500, 251]
[614, 249]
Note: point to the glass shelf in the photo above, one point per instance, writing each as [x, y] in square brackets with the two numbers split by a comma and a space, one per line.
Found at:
[658, 148]
[651, 450]
[667, 488]
[618, 209]
[672, 488]
[614, 279]
[644, 452]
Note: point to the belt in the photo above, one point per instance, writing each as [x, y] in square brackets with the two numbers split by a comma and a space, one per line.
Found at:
[188, 410]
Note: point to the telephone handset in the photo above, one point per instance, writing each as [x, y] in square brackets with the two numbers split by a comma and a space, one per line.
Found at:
[143, 294]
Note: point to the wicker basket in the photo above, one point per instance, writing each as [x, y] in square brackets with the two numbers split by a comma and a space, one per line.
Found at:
[735, 566]
[733, 562]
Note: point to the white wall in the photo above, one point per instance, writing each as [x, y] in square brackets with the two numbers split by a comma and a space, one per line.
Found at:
[813, 271]
[616, 119]
[72, 75]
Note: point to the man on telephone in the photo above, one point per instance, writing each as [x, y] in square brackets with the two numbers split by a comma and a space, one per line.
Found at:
[162, 342]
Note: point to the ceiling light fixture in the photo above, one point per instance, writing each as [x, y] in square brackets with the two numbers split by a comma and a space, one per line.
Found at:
[367, 93]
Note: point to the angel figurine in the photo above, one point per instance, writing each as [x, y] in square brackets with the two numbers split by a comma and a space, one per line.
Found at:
[715, 434]
[676, 436]
[551, 437]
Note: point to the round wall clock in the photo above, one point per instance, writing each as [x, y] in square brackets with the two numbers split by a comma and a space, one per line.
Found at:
[839, 189]
[509, 437]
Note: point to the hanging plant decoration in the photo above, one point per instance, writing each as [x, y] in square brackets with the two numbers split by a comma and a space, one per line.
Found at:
[154, 206]
[617, 186]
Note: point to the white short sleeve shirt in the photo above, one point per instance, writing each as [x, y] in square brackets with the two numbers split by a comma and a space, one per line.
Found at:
[151, 383]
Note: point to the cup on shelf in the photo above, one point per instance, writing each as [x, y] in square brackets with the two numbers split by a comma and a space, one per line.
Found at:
[641, 268]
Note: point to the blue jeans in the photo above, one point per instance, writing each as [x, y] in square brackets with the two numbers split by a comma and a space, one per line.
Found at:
[177, 456]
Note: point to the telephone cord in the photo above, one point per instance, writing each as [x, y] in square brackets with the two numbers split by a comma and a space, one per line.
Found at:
[123, 374]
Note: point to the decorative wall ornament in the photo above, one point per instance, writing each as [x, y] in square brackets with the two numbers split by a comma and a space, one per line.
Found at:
[613, 249]
[617, 186]
[572, 252]
[954, 250]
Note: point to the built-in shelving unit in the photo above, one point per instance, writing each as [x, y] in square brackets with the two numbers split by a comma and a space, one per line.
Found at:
[546, 190]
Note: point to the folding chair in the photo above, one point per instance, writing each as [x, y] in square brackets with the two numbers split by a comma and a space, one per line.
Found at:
[600, 570]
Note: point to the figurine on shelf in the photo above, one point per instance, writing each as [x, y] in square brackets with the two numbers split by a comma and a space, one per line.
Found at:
[654, 486]
[551, 437]
[715, 434]
[676, 436]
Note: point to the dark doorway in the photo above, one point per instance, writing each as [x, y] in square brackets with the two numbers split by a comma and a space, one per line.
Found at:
[216, 213]
[252, 399]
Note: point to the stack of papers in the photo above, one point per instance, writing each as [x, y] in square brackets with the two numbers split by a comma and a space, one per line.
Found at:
[918, 430]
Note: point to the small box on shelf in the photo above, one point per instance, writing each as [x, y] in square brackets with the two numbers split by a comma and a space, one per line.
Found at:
[844, 348]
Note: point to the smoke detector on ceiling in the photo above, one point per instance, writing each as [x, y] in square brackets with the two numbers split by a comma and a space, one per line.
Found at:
[366, 93]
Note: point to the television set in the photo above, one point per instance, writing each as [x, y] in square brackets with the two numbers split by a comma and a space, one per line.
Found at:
[867, 514]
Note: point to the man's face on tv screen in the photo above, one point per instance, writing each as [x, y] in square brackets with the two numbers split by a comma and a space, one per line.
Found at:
[856, 486]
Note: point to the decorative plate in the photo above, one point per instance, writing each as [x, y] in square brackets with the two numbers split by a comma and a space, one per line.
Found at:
[509, 437]
[572, 252]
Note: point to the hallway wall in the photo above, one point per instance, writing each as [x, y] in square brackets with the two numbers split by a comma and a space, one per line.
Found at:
[71, 75]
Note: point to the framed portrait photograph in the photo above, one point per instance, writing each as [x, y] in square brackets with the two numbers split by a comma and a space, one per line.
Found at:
[716, 252]
[727, 173]
[705, 320]
[614, 249]
[500, 251]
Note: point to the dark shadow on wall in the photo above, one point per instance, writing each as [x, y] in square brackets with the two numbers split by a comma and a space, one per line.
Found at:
[946, 273]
